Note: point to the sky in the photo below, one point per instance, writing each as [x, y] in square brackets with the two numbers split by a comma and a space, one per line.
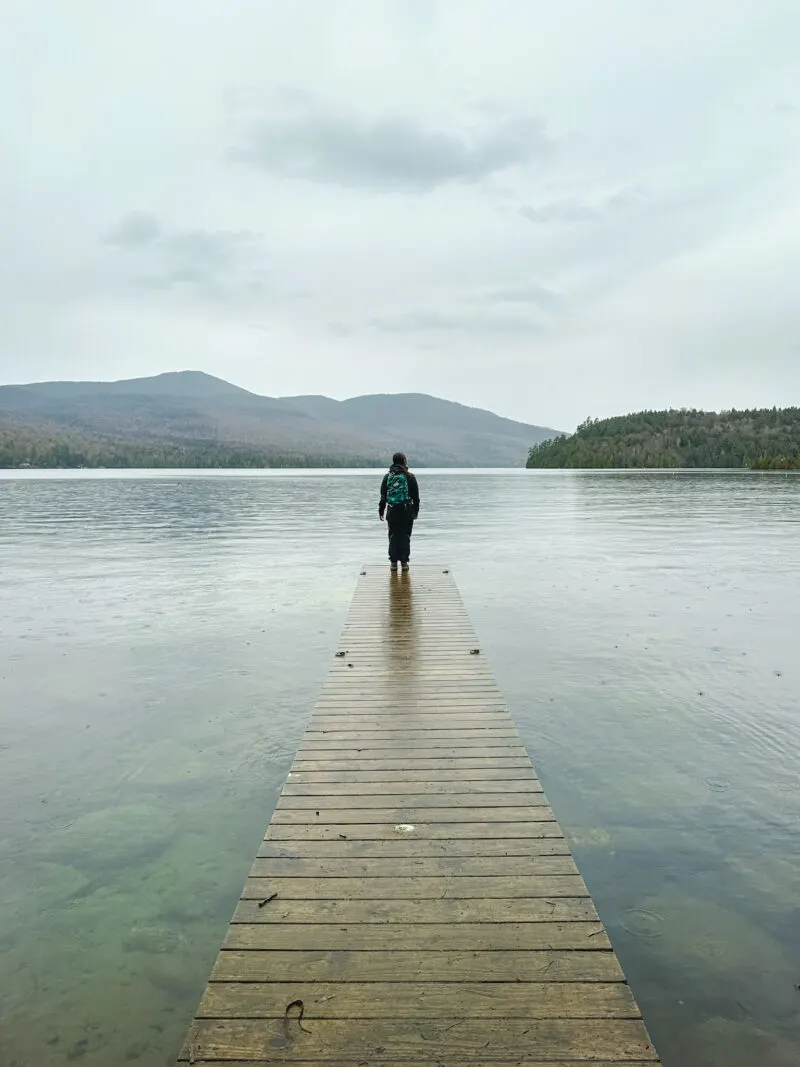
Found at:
[551, 210]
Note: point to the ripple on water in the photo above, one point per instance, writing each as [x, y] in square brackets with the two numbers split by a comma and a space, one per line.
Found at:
[643, 923]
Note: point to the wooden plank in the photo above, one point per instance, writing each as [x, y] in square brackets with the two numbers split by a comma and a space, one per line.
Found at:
[413, 891]
[577, 1039]
[453, 789]
[441, 966]
[458, 665]
[416, 763]
[417, 745]
[395, 752]
[408, 706]
[518, 1061]
[422, 866]
[455, 832]
[343, 847]
[541, 909]
[410, 816]
[402, 774]
[401, 1000]
[421, 724]
[412, 674]
[416, 888]
[362, 681]
[443, 706]
[415, 800]
[461, 734]
[411, 937]
[358, 684]
[445, 650]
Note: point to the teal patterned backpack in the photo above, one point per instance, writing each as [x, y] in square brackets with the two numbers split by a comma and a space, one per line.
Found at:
[397, 489]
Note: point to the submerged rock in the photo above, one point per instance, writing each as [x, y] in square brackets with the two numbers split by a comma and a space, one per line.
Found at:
[121, 836]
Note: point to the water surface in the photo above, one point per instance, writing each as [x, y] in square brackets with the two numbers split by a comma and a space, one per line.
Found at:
[162, 639]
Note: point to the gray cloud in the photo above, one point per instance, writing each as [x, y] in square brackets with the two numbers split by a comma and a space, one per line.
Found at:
[135, 230]
[575, 210]
[475, 323]
[212, 263]
[388, 152]
[536, 295]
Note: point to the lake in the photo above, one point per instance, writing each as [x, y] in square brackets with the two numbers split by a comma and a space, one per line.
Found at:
[164, 635]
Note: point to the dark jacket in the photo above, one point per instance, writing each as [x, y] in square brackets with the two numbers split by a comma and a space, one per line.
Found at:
[413, 489]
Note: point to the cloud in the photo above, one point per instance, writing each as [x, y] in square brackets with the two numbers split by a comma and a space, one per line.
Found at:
[390, 152]
[576, 210]
[475, 323]
[135, 230]
[341, 329]
[209, 262]
[536, 295]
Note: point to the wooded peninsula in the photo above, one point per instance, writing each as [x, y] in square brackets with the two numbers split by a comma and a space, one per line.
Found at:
[764, 439]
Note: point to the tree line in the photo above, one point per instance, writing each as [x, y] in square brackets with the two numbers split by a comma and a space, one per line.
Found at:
[761, 439]
[25, 448]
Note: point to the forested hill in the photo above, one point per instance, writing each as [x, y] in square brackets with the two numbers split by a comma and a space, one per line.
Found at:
[190, 419]
[766, 439]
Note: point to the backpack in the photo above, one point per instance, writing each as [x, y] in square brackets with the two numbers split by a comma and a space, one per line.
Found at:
[397, 494]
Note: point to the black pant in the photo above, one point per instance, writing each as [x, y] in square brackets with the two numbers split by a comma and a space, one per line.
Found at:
[400, 521]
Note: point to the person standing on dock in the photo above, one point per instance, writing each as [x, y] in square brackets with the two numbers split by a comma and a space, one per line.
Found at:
[400, 504]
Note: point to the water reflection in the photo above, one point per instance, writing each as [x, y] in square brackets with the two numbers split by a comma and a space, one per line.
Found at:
[401, 650]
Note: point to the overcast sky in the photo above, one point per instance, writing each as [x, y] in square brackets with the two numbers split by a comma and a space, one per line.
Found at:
[553, 210]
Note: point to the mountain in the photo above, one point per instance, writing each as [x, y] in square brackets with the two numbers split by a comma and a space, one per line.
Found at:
[764, 439]
[189, 418]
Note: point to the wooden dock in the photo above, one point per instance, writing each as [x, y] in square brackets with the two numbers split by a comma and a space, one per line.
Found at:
[414, 901]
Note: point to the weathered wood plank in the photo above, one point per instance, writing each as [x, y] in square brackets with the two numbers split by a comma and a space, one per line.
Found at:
[401, 774]
[410, 816]
[415, 763]
[540, 909]
[414, 719]
[416, 888]
[523, 1061]
[440, 832]
[365, 753]
[421, 725]
[445, 709]
[419, 745]
[417, 800]
[343, 847]
[577, 1039]
[410, 937]
[397, 734]
[420, 866]
[401, 1000]
[442, 966]
[465, 787]
[411, 703]
[366, 689]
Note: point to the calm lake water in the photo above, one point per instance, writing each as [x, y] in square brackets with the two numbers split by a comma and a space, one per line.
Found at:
[163, 636]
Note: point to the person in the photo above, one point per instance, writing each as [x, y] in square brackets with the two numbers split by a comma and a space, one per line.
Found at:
[400, 504]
